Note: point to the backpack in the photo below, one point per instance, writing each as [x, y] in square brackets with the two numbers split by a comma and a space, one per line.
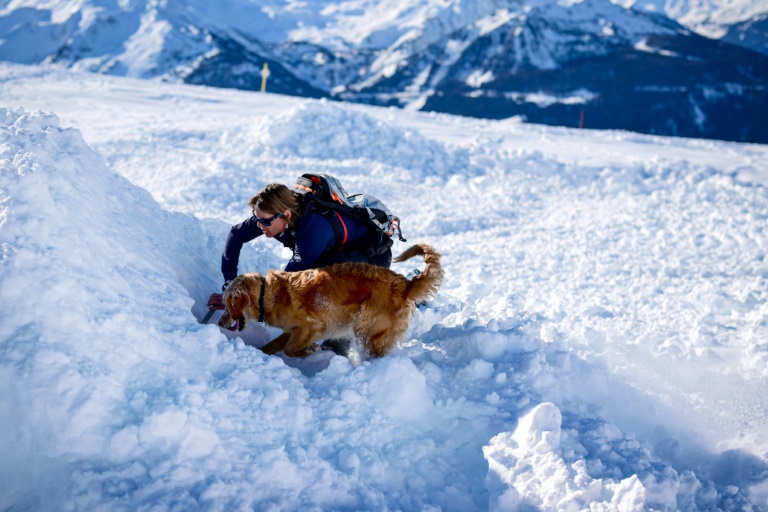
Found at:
[329, 197]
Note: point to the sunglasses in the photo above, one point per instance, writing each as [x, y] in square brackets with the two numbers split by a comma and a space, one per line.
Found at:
[268, 222]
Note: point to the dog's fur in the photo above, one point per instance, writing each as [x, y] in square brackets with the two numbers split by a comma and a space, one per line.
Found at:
[373, 303]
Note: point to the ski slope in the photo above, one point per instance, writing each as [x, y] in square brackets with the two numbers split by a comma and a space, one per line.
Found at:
[600, 341]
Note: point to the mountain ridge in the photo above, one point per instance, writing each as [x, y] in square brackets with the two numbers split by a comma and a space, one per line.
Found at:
[450, 57]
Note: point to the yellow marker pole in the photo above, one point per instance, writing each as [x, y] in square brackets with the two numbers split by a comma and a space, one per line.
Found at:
[264, 75]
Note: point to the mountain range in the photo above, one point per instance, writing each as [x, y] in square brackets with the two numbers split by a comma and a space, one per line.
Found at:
[589, 63]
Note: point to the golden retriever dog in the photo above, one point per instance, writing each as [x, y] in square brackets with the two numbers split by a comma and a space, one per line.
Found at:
[374, 304]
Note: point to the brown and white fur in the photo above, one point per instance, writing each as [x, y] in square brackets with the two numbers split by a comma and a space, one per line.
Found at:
[372, 303]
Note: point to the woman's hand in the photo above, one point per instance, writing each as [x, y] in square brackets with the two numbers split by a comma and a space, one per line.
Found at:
[216, 302]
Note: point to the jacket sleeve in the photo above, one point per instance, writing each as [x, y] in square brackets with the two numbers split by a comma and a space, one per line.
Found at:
[238, 235]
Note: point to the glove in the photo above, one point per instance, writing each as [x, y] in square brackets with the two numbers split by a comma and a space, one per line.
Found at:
[216, 302]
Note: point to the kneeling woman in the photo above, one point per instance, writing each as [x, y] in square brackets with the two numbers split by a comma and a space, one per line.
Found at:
[317, 239]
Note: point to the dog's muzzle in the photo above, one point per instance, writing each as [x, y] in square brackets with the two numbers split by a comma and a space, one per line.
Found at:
[235, 325]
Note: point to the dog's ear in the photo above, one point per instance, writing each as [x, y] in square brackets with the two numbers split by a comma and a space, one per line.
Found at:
[236, 300]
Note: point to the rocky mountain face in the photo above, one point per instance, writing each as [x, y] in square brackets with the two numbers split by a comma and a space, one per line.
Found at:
[751, 34]
[587, 63]
[591, 64]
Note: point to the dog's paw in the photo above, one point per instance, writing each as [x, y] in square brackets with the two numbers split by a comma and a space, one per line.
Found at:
[311, 350]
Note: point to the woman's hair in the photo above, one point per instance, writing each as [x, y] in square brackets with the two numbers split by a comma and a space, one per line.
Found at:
[276, 198]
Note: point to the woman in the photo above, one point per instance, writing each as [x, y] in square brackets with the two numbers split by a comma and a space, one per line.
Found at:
[318, 238]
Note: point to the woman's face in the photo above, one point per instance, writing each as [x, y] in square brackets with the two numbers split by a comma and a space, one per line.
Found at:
[277, 222]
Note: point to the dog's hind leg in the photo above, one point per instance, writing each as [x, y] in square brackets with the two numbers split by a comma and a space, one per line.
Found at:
[379, 333]
[379, 343]
[394, 326]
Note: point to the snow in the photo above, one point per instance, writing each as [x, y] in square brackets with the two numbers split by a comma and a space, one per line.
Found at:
[161, 39]
[526, 470]
[578, 97]
[709, 18]
[364, 42]
[643, 46]
[600, 341]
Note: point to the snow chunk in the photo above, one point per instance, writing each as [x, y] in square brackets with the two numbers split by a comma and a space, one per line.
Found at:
[527, 469]
[399, 389]
[539, 430]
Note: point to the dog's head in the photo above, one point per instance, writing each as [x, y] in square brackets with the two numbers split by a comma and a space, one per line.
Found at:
[241, 299]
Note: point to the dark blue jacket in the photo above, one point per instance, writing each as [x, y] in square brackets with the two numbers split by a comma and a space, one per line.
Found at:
[313, 243]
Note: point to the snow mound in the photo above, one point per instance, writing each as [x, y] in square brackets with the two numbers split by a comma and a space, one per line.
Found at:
[400, 390]
[97, 283]
[321, 130]
[527, 470]
[73, 231]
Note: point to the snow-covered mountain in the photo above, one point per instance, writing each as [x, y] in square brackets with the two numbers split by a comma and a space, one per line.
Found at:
[711, 18]
[553, 63]
[588, 62]
[752, 33]
[741, 23]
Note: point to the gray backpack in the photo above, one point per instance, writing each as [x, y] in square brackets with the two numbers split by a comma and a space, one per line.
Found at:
[329, 196]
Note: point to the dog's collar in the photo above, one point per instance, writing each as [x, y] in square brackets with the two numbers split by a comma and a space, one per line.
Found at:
[261, 300]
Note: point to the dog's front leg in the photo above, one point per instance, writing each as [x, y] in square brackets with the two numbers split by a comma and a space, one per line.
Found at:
[276, 345]
[300, 342]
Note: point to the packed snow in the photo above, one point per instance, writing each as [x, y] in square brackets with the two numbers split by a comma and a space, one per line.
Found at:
[600, 341]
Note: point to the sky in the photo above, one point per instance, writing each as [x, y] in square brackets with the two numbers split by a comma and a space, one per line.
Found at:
[600, 341]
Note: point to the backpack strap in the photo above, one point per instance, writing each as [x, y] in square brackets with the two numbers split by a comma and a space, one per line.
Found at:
[340, 230]
[345, 231]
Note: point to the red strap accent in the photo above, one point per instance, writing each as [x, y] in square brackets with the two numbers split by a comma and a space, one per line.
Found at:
[336, 198]
[302, 187]
[344, 226]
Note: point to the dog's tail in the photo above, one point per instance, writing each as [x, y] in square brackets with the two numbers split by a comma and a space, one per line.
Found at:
[427, 283]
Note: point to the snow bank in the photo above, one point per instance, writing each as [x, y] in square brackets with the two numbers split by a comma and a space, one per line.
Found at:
[323, 131]
[97, 283]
